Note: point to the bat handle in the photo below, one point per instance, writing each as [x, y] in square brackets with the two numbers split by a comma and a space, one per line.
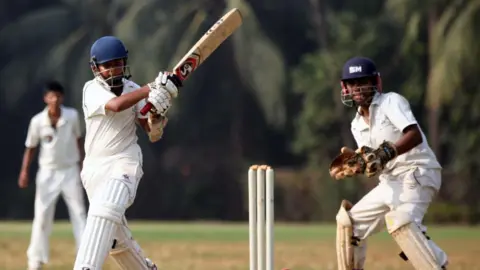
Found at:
[146, 108]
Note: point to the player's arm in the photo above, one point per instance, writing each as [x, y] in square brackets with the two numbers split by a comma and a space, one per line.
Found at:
[411, 138]
[128, 100]
[159, 93]
[28, 156]
[31, 144]
[398, 111]
[154, 123]
[77, 132]
[143, 123]
[400, 115]
[97, 101]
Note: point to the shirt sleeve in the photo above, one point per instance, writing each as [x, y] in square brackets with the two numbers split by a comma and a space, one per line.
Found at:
[33, 138]
[94, 99]
[398, 111]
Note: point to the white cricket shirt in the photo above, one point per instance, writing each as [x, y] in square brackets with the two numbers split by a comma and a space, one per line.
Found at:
[58, 146]
[390, 114]
[109, 133]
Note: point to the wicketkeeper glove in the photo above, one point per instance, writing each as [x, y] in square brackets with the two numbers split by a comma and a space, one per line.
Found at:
[364, 160]
[347, 164]
[376, 159]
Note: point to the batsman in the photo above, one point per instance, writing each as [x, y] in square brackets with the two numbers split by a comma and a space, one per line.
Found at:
[392, 146]
[112, 168]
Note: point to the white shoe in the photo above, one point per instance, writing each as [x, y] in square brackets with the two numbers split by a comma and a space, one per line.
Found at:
[150, 264]
[39, 267]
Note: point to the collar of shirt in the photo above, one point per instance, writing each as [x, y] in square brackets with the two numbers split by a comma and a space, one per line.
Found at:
[46, 119]
[358, 121]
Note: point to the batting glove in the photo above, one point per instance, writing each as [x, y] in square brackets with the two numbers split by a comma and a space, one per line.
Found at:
[168, 81]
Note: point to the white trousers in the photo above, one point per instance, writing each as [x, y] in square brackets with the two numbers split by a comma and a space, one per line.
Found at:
[97, 176]
[50, 183]
[411, 192]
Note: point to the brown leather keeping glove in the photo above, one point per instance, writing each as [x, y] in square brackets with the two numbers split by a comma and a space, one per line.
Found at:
[347, 164]
[376, 159]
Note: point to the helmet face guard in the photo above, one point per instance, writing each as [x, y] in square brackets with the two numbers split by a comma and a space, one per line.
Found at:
[110, 76]
[363, 91]
[360, 81]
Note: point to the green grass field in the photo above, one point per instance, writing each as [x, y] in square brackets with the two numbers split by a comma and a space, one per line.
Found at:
[214, 246]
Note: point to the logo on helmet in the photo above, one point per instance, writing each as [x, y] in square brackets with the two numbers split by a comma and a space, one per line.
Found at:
[355, 69]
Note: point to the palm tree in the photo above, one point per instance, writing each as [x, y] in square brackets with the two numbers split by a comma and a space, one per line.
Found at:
[452, 40]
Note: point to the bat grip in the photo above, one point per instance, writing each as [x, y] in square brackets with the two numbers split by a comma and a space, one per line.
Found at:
[146, 108]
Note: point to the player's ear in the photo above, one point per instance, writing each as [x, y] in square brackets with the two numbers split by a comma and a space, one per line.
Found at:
[45, 97]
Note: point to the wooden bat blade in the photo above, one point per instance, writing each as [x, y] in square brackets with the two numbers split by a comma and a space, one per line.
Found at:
[209, 42]
[205, 46]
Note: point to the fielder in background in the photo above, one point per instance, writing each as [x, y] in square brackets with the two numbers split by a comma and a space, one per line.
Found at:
[57, 130]
[112, 168]
[393, 147]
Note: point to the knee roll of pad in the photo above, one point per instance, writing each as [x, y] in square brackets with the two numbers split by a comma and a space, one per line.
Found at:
[112, 202]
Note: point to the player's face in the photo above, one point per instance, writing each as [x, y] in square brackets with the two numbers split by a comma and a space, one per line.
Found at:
[360, 90]
[53, 99]
[113, 71]
[112, 68]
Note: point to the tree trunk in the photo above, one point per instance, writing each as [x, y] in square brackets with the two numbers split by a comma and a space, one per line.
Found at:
[433, 111]
[318, 18]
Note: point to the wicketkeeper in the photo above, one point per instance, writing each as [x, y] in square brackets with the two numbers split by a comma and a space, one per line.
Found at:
[393, 147]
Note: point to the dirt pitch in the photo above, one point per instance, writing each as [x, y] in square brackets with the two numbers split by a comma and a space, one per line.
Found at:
[212, 246]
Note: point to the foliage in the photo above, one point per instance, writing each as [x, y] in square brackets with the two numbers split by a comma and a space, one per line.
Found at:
[270, 94]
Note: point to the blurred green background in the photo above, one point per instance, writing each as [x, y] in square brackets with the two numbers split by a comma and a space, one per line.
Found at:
[270, 94]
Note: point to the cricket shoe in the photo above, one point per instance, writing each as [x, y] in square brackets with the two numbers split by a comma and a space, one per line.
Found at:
[35, 266]
[150, 264]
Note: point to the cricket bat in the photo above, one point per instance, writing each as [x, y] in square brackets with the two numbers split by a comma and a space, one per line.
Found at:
[209, 42]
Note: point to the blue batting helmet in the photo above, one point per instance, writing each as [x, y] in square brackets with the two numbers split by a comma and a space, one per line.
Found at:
[107, 48]
[359, 67]
[355, 69]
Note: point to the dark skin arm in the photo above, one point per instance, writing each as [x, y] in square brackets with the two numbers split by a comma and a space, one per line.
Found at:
[411, 138]
[81, 152]
[143, 122]
[27, 160]
[123, 102]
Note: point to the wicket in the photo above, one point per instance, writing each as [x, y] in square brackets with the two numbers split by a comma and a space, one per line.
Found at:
[261, 216]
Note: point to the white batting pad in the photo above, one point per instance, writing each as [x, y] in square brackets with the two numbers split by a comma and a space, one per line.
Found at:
[106, 212]
[126, 252]
[344, 237]
[412, 241]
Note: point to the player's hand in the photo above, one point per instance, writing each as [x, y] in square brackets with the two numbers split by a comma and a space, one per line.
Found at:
[23, 179]
[160, 99]
[376, 159]
[346, 164]
[156, 125]
[167, 81]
